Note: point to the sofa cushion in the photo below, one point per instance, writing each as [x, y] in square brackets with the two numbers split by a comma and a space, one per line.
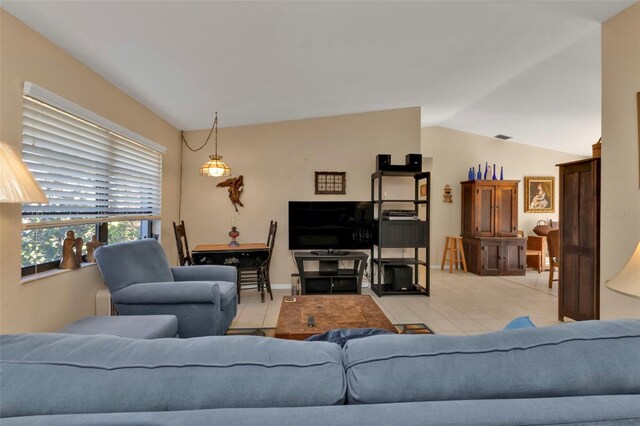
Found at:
[134, 326]
[621, 410]
[341, 336]
[133, 262]
[586, 358]
[520, 322]
[65, 374]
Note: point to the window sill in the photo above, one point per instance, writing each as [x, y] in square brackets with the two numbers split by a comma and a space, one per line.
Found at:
[51, 273]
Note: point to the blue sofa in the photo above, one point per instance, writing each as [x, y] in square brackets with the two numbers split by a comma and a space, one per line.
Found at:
[577, 373]
[141, 282]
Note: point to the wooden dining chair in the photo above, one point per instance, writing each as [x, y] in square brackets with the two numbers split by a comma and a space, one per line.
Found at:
[184, 257]
[553, 243]
[535, 251]
[258, 276]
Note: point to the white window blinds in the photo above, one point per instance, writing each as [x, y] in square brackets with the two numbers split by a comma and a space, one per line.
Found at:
[89, 173]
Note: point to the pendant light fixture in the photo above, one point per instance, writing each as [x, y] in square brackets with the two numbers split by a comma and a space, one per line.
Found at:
[215, 167]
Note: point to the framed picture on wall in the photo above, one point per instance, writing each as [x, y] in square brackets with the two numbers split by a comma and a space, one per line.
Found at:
[539, 194]
[331, 182]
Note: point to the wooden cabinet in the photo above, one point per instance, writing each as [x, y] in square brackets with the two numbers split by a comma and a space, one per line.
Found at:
[490, 208]
[496, 255]
[490, 228]
[579, 272]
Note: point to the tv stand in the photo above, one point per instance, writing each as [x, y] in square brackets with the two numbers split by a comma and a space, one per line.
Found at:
[330, 252]
[331, 277]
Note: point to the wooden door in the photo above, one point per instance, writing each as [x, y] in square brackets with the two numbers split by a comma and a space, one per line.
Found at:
[507, 211]
[579, 283]
[490, 257]
[513, 256]
[485, 211]
[468, 212]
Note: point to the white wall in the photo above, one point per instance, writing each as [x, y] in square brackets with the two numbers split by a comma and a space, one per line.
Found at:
[620, 216]
[453, 152]
[278, 161]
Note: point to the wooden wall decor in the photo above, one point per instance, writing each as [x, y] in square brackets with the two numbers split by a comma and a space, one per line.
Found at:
[235, 185]
[331, 183]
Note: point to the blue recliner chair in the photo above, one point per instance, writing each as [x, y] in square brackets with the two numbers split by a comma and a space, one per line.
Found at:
[203, 298]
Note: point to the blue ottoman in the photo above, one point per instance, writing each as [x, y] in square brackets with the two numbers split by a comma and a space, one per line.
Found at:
[135, 326]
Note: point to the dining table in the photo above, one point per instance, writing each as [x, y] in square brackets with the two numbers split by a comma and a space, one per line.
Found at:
[245, 257]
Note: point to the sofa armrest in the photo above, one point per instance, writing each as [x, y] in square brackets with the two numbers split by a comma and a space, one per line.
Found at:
[165, 293]
[205, 273]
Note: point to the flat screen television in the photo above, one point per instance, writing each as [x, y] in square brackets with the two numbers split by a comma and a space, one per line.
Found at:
[330, 225]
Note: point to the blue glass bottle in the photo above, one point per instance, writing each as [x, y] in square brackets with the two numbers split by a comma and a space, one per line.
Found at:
[472, 175]
[486, 170]
[494, 172]
[479, 175]
[501, 175]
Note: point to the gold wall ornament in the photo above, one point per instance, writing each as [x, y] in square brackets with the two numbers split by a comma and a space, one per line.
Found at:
[235, 185]
[447, 197]
[71, 252]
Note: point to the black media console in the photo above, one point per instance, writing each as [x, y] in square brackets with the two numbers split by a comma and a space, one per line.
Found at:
[331, 276]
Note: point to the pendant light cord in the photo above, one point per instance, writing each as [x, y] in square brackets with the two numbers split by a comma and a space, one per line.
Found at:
[214, 126]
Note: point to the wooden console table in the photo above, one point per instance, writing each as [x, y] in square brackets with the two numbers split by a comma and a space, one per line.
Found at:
[330, 278]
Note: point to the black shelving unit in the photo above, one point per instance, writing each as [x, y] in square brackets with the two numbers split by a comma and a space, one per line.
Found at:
[412, 234]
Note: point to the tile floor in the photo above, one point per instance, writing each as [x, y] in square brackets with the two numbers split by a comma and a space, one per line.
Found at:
[460, 303]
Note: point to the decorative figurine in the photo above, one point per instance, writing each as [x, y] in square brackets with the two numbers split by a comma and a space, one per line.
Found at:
[91, 247]
[233, 234]
[494, 172]
[447, 197]
[71, 252]
[235, 185]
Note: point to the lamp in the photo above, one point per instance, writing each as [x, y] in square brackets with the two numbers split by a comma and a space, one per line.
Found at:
[17, 184]
[627, 281]
[215, 166]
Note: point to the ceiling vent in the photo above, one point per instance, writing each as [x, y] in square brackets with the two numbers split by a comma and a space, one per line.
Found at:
[503, 137]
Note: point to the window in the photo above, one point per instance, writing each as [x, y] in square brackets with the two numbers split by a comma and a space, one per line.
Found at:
[100, 178]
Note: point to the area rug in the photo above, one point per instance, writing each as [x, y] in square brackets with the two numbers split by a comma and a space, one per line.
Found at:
[417, 328]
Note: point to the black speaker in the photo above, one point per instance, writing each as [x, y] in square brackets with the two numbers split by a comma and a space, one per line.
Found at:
[401, 277]
[383, 161]
[414, 162]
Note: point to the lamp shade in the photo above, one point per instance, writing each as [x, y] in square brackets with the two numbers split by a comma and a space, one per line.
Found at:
[17, 184]
[627, 281]
[215, 167]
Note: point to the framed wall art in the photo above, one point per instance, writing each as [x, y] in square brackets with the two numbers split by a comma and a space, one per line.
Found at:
[539, 194]
[331, 182]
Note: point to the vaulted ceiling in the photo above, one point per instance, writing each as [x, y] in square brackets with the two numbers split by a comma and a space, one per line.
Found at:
[527, 69]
